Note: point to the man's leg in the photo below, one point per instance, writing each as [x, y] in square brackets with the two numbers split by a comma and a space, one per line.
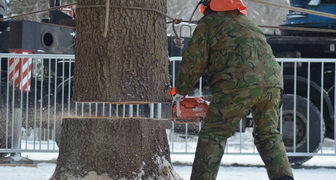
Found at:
[267, 138]
[208, 155]
[223, 116]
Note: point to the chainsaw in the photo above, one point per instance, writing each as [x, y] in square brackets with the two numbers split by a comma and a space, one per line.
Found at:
[190, 110]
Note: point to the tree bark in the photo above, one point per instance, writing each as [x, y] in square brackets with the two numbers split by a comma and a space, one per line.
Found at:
[131, 62]
[106, 148]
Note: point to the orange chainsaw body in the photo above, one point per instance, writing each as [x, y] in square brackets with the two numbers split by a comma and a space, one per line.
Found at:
[192, 109]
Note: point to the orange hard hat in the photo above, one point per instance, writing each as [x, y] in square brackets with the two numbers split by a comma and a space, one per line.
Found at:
[226, 5]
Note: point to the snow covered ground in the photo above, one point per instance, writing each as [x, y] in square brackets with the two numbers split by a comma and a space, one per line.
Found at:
[234, 167]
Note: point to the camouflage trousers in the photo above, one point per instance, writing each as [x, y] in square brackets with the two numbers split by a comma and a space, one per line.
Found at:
[225, 111]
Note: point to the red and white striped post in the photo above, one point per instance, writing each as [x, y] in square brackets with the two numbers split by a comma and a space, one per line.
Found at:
[20, 70]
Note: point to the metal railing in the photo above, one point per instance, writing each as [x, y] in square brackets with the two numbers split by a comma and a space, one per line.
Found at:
[30, 120]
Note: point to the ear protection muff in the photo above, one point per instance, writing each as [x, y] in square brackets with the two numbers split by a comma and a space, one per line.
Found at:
[205, 2]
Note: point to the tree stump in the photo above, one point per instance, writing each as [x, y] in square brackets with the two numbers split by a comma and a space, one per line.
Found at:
[113, 148]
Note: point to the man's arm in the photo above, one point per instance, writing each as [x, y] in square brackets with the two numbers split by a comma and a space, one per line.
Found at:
[194, 60]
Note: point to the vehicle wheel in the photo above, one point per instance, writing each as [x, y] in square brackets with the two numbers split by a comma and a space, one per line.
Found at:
[309, 134]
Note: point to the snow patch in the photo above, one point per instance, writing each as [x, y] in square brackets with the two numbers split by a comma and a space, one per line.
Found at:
[17, 157]
[142, 172]
[166, 169]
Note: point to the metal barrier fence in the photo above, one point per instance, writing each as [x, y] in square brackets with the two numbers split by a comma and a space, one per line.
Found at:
[30, 118]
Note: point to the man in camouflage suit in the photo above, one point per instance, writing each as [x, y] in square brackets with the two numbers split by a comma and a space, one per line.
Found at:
[243, 77]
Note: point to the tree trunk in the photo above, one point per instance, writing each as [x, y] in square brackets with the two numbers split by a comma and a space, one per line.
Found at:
[131, 62]
[106, 148]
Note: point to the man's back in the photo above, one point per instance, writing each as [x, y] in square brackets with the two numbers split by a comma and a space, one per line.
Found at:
[239, 54]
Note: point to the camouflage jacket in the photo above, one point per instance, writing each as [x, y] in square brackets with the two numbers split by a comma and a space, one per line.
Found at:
[233, 51]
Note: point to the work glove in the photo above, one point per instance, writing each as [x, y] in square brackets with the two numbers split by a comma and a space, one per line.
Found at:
[176, 97]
